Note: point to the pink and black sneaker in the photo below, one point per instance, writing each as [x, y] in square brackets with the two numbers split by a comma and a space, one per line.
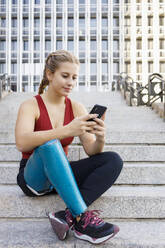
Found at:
[93, 229]
[61, 222]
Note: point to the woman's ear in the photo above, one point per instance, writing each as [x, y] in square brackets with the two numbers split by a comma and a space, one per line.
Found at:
[49, 75]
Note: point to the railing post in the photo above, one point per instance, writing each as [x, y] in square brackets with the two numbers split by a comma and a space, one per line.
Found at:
[163, 99]
[0, 88]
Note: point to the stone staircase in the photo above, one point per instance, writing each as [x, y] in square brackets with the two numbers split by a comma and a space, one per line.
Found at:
[136, 202]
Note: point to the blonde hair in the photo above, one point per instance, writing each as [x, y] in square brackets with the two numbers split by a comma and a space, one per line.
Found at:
[53, 62]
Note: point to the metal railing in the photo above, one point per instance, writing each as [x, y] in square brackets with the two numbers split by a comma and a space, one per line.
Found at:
[137, 94]
[5, 84]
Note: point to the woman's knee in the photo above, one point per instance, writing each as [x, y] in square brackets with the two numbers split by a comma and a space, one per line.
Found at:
[115, 160]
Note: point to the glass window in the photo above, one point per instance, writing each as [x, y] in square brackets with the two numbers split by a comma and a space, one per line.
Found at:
[14, 45]
[82, 45]
[115, 45]
[139, 44]
[150, 20]
[14, 1]
[59, 1]
[25, 22]
[58, 44]
[13, 68]
[162, 67]
[37, 1]
[48, 1]
[104, 1]
[104, 45]
[3, 22]
[150, 66]
[116, 67]
[82, 68]
[161, 20]
[81, 1]
[2, 45]
[104, 22]
[93, 45]
[14, 22]
[127, 45]
[150, 44]
[162, 43]
[70, 22]
[70, 1]
[138, 21]
[47, 22]
[93, 68]
[36, 45]
[25, 1]
[59, 23]
[93, 22]
[104, 68]
[139, 67]
[3, 1]
[36, 22]
[48, 45]
[82, 22]
[70, 45]
[2, 68]
[93, 1]
[127, 67]
[127, 21]
[25, 45]
[116, 21]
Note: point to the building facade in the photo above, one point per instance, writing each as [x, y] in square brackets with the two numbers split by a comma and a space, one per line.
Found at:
[144, 38]
[108, 37]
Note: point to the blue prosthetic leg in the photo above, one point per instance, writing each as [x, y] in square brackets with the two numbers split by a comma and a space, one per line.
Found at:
[54, 170]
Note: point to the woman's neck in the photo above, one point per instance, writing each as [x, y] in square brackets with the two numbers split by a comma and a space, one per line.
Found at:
[53, 98]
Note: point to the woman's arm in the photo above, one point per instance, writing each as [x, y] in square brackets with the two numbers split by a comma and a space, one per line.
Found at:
[93, 141]
[27, 139]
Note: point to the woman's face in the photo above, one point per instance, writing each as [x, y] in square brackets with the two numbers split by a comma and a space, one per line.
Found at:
[64, 78]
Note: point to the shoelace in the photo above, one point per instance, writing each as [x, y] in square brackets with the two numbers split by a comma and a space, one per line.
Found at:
[69, 217]
[91, 217]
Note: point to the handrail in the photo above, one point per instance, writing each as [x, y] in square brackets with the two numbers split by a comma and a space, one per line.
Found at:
[137, 91]
[5, 84]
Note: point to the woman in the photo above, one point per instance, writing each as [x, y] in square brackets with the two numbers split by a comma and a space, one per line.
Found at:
[49, 120]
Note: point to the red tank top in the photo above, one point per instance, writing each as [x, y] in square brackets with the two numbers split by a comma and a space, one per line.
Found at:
[44, 123]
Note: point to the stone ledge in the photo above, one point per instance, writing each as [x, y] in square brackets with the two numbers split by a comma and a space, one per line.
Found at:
[117, 202]
[139, 153]
[38, 233]
[132, 173]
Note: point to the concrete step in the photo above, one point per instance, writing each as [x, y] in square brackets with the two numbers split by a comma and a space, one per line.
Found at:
[133, 173]
[119, 116]
[117, 202]
[38, 233]
[112, 137]
[127, 152]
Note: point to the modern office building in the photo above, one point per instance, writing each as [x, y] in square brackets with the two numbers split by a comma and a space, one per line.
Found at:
[108, 37]
[144, 38]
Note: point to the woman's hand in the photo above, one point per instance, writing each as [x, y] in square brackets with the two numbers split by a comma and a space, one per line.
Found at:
[80, 125]
[99, 129]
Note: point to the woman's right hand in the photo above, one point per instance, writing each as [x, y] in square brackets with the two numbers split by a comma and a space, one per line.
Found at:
[80, 125]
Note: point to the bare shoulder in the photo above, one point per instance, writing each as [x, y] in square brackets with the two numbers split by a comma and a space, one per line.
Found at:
[78, 108]
[30, 106]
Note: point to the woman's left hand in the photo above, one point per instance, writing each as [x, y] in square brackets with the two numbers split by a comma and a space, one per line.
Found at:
[99, 129]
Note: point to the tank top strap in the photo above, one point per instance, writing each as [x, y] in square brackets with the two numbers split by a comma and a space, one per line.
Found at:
[69, 116]
[40, 102]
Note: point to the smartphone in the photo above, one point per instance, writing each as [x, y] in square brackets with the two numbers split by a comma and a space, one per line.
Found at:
[98, 109]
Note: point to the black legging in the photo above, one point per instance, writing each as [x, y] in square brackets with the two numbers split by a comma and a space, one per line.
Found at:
[94, 175]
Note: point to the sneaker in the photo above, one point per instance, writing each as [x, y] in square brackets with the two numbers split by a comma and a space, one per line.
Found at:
[61, 222]
[93, 229]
